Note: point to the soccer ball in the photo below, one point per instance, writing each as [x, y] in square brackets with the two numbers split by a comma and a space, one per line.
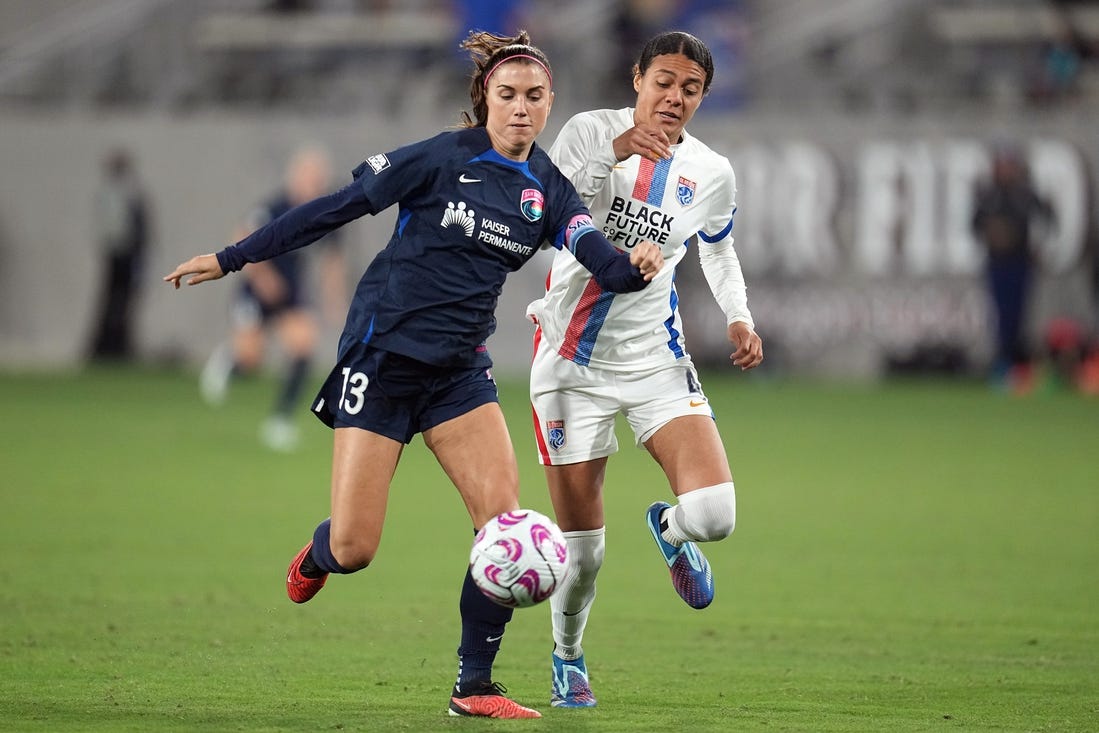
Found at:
[519, 558]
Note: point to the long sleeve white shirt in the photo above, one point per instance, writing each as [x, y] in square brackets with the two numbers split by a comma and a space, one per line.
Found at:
[687, 200]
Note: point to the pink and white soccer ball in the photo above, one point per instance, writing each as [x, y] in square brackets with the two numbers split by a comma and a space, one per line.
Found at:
[519, 558]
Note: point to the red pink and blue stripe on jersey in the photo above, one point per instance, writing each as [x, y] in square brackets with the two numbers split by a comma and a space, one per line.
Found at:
[652, 177]
[595, 303]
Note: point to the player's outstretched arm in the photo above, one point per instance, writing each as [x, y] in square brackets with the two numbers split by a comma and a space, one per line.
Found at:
[200, 267]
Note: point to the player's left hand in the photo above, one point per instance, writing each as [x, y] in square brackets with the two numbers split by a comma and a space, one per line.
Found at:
[648, 258]
[749, 346]
[202, 267]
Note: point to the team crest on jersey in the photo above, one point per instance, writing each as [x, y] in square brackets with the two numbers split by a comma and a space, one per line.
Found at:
[555, 432]
[458, 215]
[685, 191]
[378, 163]
[532, 203]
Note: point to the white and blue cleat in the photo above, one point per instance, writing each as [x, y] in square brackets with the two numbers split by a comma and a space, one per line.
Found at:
[691, 576]
[570, 684]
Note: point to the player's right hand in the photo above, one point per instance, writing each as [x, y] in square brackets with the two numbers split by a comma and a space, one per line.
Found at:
[644, 140]
[648, 258]
[202, 267]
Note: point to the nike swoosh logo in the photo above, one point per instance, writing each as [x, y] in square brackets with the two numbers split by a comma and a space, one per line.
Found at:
[462, 179]
[491, 639]
[698, 403]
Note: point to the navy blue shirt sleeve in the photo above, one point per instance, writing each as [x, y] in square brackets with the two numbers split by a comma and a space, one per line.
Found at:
[611, 268]
[387, 178]
[298, 227]
[379, 182]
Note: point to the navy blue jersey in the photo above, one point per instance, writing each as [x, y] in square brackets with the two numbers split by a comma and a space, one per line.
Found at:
[466, 218]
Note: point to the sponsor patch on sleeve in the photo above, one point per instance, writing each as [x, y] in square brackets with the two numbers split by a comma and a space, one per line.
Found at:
[579, 225]
[378, 163]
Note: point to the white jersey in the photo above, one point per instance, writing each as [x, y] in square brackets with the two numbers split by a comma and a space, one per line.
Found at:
[687, 199]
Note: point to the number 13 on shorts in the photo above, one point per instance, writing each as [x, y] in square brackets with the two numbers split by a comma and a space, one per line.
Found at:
[354, 387]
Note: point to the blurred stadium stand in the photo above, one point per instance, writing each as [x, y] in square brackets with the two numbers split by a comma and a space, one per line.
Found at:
[848, 54]
[220, 54]
[817, 102]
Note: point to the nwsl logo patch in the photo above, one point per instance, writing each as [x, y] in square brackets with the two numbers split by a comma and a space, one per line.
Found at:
[378, 163]
[555, 432]
[532, 204]
[685, 191]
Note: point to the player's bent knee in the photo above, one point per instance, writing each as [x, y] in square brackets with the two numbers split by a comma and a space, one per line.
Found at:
[708, 514]
[586, 551]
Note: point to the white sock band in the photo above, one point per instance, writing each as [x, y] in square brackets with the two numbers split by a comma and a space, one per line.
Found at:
[703, 515]
[571, 603]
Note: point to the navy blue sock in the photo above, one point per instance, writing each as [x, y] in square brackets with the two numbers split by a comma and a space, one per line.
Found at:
[483, 624]
[321, 554]
[292, 385]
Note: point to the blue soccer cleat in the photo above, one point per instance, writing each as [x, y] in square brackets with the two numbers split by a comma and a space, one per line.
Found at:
[690, 571]
[570, 684]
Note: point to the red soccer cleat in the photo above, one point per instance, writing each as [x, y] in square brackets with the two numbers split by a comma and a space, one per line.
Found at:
[488, 701]
[298, 587]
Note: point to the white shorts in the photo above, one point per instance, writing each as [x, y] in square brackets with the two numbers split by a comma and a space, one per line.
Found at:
[575, 406]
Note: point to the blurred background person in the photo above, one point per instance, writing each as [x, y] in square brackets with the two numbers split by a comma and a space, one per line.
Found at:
[1065, 52]
[494, 16]
[274, 297]
[1006, 210]
[633, 23]
[501, 17]
[722, 22]
[122, 221]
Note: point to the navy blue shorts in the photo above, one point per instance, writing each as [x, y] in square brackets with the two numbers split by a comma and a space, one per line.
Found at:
[396, 396]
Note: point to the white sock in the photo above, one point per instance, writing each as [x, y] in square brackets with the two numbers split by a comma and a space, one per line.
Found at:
[703, 515]
[571, 603]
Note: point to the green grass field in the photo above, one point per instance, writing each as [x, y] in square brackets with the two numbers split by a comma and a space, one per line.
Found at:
[916, 557]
